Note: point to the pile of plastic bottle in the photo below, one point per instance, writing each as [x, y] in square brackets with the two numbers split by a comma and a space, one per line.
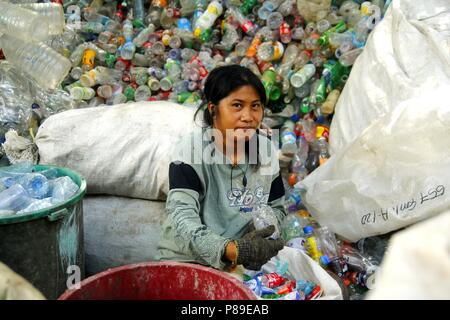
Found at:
[22, 190]
[280, 285]
[110, 52]
[106, 52]
[356, 265]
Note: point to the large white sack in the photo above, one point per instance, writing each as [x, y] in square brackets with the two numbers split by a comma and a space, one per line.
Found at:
[406, 56]
[394, 174]
[15, 287]
[417, 263]
[120, 231]
[122, 150]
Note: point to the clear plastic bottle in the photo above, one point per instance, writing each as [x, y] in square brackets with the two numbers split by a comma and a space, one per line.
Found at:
[265, 10]
[91, 27]
[62, 189]
[187, 7]
[23, 23]
[314, 10]
[143, 35]
[324, 154]
[207, 19]
[347, 7]
[302, 76]
[39, 61]
[270, 51]
[288, 138]
[348, 58]
[104, 91]
[118, 98]
[36, 205]
[154, 84]
[365, 266]
[331, 251]
[286, 8]
[128, 49]
[82, 93]
[142, 93]
[323, 25]
[166, 83]
[100, 75]
[247, 26]
[328, 106]
[274, 20]
[292, 227]
[301, 155]
[94, 17]
[338, 39]
[242, 46]
[339, 28]
[289, 58]
[285, 33]
[263, 216]
[76, 73]
[36, 185]
[313, 160]
[275, 4]
[311, 244]
[14, 198]
[52, 11]
[139, 12]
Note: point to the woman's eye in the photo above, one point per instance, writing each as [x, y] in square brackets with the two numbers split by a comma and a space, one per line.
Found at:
[256, 106]
[237, 105]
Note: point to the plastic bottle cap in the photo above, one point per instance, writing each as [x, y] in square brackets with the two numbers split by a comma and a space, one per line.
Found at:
[320, 120]
[324, 260]
[308, 229]
[295, 117]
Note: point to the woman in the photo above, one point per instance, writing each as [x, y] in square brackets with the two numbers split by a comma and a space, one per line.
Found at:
[222, 174]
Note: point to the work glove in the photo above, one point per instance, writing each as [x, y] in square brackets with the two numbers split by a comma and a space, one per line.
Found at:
[253, 251]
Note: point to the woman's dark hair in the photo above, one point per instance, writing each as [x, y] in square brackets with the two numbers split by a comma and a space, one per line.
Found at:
[224, 80]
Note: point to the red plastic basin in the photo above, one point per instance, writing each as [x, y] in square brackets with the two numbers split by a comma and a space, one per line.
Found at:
[166, 280]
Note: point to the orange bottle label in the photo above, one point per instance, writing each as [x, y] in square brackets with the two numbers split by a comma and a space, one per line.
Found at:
[89, 57]
[251, 52]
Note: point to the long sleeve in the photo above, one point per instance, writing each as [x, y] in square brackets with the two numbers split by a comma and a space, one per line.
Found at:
[192, 237]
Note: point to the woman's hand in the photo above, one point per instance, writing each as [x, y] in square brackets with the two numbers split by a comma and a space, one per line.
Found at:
[253, 250]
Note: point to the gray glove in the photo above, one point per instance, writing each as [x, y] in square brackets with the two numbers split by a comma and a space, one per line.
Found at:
[254, 250]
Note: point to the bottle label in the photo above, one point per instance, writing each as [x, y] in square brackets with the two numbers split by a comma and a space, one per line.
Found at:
[289, 138]
[89, 57]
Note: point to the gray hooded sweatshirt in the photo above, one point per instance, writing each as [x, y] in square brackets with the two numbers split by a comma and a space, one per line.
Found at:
[210, 202]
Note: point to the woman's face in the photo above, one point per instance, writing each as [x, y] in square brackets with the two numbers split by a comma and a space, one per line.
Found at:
[240, 113]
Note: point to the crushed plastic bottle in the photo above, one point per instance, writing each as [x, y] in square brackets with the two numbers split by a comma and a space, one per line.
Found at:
[23, 191]
[23, 23]
[14, 198]
[331, 251]
[42, 63]
[312, 246]
[263, 217]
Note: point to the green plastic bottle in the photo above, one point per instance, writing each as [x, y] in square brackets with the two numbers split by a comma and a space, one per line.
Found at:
[340, 27]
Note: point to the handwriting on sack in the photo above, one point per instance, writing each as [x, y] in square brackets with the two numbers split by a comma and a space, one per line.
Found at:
[403, 209]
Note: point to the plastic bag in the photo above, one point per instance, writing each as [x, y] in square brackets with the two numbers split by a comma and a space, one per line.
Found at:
[302, 267]
[394, 174]
[15, 287]
[415, 269]
[406, 56]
